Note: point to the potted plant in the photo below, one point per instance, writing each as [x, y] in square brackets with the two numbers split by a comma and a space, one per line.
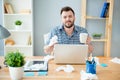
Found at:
[97, 35]
[15, 61]
[18, 24]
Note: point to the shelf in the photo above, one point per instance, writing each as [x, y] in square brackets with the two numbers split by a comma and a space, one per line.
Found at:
[20, 30]
[94, 17]
[19, 14]
[25, 46]
[108, 22]
[98, 40]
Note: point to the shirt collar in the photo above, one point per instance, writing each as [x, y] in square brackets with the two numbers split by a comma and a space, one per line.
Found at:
[62, 28]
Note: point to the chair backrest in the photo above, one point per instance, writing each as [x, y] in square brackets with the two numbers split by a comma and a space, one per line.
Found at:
[46, 36]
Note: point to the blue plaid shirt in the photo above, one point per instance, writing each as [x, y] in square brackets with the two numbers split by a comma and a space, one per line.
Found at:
[63, 38]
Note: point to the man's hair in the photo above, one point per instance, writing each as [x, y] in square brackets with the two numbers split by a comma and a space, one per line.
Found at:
[67, 8]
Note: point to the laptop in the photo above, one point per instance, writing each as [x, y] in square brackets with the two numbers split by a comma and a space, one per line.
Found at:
[70, 53]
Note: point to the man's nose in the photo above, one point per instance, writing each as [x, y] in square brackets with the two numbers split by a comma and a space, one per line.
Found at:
[67, 18]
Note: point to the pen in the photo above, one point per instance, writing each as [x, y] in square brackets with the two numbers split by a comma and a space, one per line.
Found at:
[93, 61]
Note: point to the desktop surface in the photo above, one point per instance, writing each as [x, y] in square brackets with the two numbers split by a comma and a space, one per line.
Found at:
[111, 72]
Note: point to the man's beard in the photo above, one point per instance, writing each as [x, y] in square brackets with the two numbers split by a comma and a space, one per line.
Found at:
[69, 26]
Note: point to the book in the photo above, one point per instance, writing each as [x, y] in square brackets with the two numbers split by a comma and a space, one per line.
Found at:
[8, 8]
[25, 11]
[105, 9]
[29, 40]
[5, 9]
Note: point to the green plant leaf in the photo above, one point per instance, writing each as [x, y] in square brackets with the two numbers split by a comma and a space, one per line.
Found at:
[18, 22]
[97, 35]
[15, 59]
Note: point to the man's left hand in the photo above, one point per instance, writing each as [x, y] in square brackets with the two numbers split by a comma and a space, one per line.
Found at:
[90, 47]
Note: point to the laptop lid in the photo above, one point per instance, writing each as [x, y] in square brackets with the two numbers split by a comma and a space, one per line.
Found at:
[70, 53]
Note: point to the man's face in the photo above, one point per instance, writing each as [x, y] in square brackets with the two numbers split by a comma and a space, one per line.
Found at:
[68, 19]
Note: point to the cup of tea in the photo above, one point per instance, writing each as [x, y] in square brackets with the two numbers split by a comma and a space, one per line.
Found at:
[83, 37]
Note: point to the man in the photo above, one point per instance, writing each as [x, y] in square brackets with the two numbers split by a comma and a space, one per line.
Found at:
[68, 32]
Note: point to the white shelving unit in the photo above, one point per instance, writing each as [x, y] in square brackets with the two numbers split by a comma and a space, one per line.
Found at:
[23, 38]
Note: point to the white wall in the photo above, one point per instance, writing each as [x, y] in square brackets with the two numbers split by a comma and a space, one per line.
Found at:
[1, 21]
[115, 49]
[47, 15]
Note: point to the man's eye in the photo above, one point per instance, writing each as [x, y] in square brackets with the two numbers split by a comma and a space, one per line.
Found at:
[70, 16]
[64, 17]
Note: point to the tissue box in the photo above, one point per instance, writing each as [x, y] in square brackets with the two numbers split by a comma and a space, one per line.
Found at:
[90, 67]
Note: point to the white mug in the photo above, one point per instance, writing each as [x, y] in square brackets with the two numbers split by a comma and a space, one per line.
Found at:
[83, 37]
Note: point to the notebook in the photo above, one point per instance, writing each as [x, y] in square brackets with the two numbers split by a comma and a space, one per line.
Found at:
[70, 54]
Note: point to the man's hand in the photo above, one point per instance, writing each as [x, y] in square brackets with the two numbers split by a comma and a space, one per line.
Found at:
[53, 40]
[90, 47]
[49, 48]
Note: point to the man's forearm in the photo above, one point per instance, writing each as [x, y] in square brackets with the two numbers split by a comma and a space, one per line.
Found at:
[48, 49]
[90, 48]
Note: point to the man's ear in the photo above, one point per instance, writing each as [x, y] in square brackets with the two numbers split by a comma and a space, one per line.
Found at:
[74, 18]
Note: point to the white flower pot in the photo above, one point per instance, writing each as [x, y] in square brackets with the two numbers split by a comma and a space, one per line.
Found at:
[16, 73]
[18, 27]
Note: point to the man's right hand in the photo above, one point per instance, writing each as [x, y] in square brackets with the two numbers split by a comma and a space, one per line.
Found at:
[49, 48]
[53, 40]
